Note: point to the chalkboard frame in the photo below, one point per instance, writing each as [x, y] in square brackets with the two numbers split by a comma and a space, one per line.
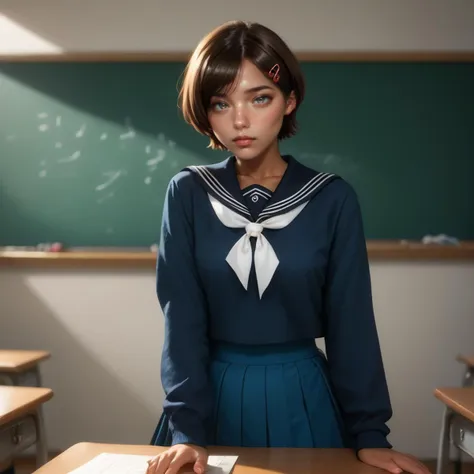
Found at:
[378, 250]
[303, 56]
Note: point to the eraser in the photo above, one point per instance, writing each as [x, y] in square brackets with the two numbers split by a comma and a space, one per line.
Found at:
[56, 247]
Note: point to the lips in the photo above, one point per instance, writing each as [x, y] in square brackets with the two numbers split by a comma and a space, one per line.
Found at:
[243, 141]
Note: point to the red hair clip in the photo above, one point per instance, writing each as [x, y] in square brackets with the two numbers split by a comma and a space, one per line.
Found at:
[274, 73]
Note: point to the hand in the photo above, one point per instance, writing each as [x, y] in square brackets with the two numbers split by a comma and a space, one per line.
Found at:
[392, 461]
[174, 458]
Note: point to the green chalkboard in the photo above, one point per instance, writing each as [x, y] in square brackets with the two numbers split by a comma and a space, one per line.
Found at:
[87, 149]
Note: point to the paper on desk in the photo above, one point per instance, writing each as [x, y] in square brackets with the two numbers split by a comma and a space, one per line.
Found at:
[108, 463]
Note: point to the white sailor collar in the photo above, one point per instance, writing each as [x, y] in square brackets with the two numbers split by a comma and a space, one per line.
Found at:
[298, 185]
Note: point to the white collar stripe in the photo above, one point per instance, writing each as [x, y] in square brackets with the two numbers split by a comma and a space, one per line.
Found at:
[254, 192]
[296, 195]
[212, 182]
[259, 191]
[297, 200]
[217, 185]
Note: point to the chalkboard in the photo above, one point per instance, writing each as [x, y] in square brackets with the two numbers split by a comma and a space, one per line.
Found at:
[87, 149]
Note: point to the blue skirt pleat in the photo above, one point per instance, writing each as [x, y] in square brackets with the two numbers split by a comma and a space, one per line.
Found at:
[254, 403]
[269, 396]
[278, 413]
[325, 424]
[227, 425]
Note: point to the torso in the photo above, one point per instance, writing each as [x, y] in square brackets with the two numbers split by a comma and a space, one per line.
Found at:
[290, 307]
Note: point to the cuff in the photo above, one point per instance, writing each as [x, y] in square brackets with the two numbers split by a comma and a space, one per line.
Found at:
[181, 438]
[193, 433]
[371, 439]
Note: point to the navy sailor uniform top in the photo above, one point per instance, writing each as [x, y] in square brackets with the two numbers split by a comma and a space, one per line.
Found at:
[255, 267]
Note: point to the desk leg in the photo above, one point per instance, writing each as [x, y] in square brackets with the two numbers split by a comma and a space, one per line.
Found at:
[468, 381]
[41, 445]
[444, 443]
[39, 381]
[458, 462]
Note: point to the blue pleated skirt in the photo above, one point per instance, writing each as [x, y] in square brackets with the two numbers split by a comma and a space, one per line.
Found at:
[269, 396]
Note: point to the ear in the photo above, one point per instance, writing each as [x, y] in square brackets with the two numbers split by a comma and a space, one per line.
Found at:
[290, 103]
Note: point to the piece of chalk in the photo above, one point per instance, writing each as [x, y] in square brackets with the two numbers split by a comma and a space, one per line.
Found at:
[440, 239]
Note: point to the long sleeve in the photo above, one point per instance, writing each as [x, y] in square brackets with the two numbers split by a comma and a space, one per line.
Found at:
[184, 364]
[352, 344]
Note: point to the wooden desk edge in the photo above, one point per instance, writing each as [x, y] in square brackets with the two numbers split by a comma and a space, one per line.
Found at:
[80, 453]
[33, 363]
[30, 407]
[378, 250]
[444, 396]
[29, 364]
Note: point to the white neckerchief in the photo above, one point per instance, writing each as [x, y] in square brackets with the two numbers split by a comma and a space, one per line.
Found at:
[240, 256]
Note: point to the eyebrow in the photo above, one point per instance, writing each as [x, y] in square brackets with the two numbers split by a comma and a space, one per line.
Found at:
[248, 91]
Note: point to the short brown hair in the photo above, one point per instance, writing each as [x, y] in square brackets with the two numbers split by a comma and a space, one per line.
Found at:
[215, 64]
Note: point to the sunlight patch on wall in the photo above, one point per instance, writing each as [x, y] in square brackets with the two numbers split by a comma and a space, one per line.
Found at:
[16, 39]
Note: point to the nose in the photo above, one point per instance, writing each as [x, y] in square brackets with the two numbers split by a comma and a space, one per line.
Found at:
[241, 119]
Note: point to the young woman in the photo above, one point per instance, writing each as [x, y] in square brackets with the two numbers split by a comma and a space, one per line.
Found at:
[260, 255]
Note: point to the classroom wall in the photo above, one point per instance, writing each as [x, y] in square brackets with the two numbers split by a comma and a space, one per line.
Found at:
[105, 332]
[160, 25]
[104, 329]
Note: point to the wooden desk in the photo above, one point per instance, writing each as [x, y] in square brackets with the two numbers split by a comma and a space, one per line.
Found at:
[17, 366]
[458, 423]
[251, 460]
[21, 421]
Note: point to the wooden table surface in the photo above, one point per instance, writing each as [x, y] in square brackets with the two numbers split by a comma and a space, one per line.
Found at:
[19, 401]
[250, 461]
[459, 399]
[19, 361]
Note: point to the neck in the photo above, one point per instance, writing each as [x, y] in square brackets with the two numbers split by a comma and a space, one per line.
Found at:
[269, 163]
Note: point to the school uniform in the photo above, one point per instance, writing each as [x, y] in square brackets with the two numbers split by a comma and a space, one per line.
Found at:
[247, 279]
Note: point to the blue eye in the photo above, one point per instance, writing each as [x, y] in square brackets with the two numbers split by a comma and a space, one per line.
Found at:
[263, 99]
[218, 105]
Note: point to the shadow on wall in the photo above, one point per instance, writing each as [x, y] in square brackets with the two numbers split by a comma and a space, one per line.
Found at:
[95, 399]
